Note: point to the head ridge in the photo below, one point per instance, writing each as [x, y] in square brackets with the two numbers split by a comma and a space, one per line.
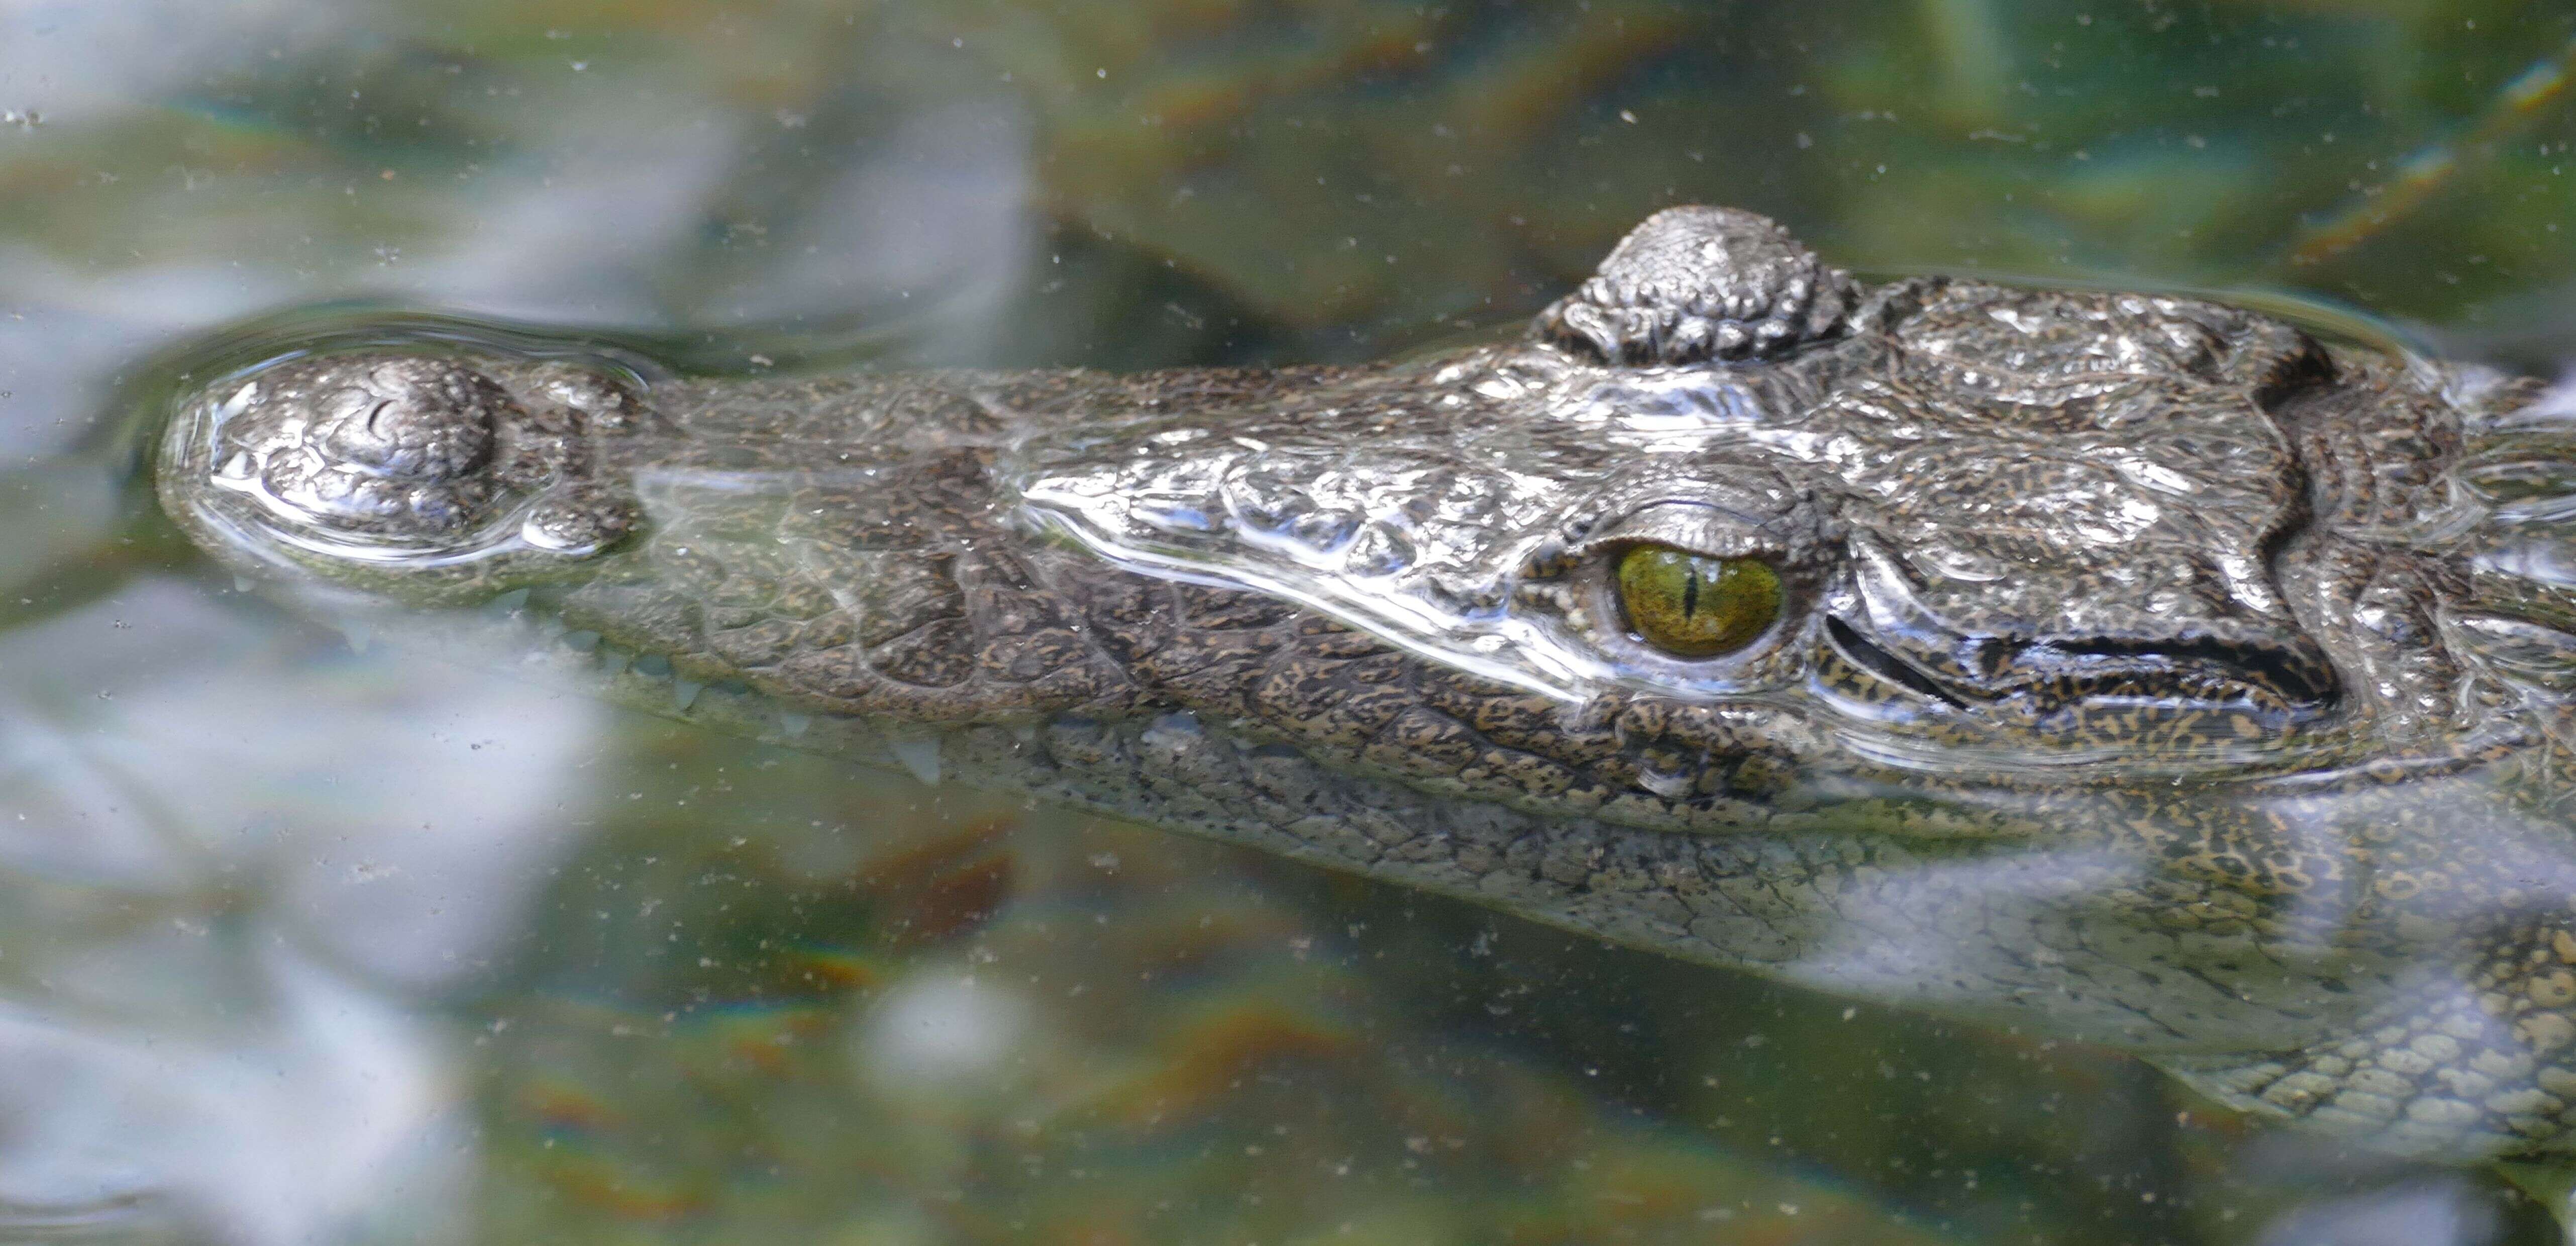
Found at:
[1698, 285]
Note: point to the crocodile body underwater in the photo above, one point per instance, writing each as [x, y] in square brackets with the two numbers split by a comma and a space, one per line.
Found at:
[2118, 667]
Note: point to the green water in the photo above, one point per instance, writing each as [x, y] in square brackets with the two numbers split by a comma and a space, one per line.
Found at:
[306, 939]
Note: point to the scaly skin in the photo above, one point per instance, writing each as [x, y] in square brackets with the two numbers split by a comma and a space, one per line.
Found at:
[2150, 673]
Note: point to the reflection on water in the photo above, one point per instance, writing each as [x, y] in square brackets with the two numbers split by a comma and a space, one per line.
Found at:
[218, 940]
[303, 943]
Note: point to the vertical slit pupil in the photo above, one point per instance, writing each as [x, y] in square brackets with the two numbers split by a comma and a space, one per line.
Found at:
[1690, 592]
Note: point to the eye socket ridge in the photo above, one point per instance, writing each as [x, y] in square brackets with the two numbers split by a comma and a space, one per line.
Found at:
[1702, 529]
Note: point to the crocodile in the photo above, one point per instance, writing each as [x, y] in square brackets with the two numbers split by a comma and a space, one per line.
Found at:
[2120, 667]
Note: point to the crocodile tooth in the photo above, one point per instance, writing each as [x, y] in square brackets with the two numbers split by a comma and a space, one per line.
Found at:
[1669, 784]
[684, 693]
[921, 757]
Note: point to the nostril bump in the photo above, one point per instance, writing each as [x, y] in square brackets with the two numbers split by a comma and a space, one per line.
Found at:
[413, 418]
[370, 445]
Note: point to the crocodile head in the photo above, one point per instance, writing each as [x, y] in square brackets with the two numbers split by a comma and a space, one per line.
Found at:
[1942, 524]
[2135, 667]
[1721, 503]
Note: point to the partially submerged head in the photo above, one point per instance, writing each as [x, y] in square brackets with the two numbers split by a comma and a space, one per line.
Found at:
[1939, 521]
[1930, 523]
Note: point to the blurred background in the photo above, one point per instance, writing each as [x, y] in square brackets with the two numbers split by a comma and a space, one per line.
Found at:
[306, 940]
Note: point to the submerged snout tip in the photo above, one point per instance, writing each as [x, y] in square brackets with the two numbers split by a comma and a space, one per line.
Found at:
[436, 472]
[390, 447]
[377, 449]
[409, 418]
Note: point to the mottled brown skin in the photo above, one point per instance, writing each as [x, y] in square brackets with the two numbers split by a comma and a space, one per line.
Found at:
[2152, 674]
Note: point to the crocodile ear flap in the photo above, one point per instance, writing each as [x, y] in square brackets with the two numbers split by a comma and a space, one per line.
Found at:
[1699, 285]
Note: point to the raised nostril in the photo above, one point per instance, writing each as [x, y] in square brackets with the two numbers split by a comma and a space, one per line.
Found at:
[370, 446]
[412, 418]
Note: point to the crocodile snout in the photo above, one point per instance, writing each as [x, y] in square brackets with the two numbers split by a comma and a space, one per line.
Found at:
[414, 456]
[394, 448]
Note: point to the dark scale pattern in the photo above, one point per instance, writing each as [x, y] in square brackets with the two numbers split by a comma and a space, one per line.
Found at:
[2148, 673]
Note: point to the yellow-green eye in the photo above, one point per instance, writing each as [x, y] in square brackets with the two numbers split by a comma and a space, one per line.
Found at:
[1695, 607]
